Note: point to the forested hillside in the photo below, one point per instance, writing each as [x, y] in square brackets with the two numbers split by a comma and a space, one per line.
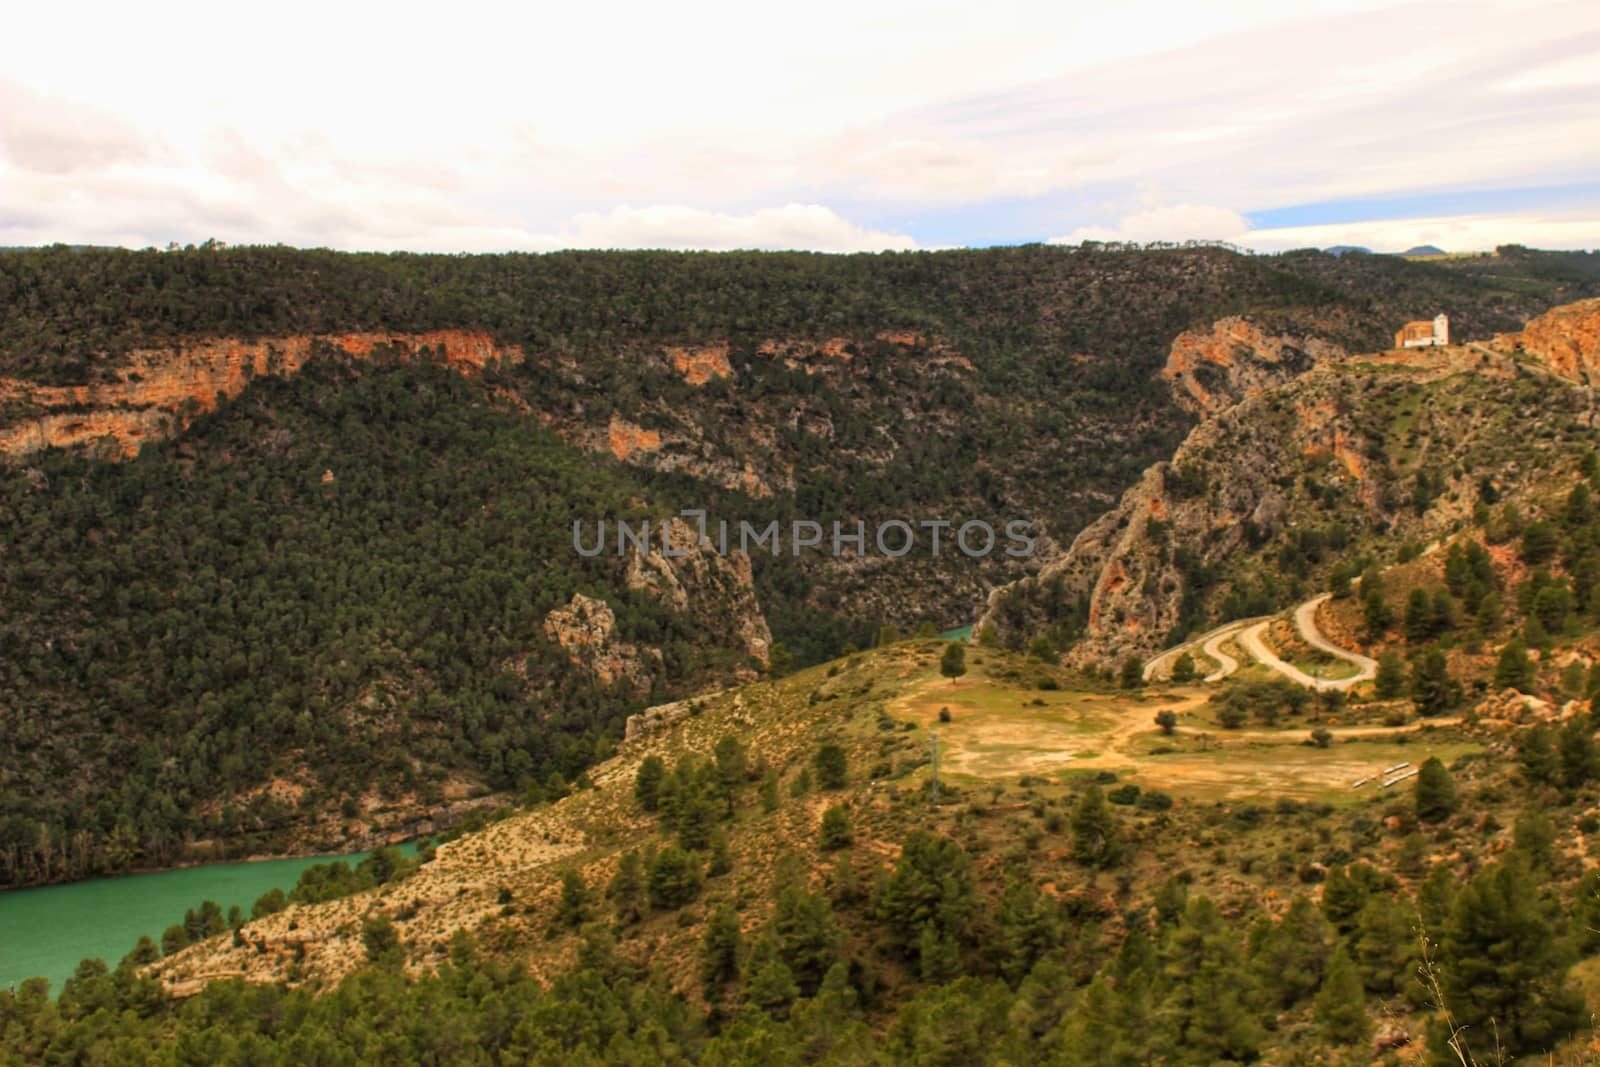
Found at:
[324, 605]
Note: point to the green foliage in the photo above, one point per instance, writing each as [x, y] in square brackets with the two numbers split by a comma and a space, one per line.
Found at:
[719, 950]
[1391, 678]
[1183, 669]
[626, 890]
[1167, 719]
[1131, 674]
[1502, 972]
[1435, 791]
[576, 903]
[932, 884]
[836, 832]
[953, 662]
[831, 765]
[647, 782]
[1513, 670]
[1095, 840]
[673, 879]
[1341, 1005]
[1433, 690]
[1291, 956]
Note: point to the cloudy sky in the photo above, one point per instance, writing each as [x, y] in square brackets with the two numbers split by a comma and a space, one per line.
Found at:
[836, 125]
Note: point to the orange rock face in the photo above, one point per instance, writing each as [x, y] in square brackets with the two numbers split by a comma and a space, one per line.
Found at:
[1565, 339]
[699, 365]
[625, 438]
[156, 391]
[1213, 369]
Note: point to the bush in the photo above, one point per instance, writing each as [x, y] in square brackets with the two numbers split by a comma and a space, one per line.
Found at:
[674, 878]
[1124, 794]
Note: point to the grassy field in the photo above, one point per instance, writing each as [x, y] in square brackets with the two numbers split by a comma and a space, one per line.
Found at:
[996, 731]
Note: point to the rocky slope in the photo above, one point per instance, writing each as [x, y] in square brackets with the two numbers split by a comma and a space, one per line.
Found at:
[1565, 339]
[1355, 456]
[1211, 370]
[155, 392]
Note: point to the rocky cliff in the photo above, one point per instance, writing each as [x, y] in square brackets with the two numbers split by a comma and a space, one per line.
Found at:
[1565, 339]
[154, 392]
[1359, 454]
[1211, 370]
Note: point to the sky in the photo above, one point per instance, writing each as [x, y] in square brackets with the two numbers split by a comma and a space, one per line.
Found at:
[837, 125]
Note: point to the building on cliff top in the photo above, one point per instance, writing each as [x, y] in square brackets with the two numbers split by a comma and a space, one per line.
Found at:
[1423, 333]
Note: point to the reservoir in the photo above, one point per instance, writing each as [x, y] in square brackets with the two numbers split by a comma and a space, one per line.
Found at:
[46, 930]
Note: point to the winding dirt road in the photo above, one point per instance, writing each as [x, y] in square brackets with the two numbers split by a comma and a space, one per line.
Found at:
[1250, 634]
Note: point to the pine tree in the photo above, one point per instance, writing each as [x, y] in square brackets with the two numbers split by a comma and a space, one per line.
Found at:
[674, 878]
[1391, 679]
[1131, 673]
[1580, 760]
[647, 782]
[1341, 1005]
[1094, 831]
[1419, 616]
[1515, 670]
[771, 986]
[1208, 1012]
[720, 860]
[1025, 929]
[938, 956]
[719, 950]
[806, 935]
[1183, 669]
[770, 796]
[1384, 947]
[953, 664]
[1503, 975]
[836, 832]
[575, 906]
[1290, 956]
[1435, 792]
[1433, 691]
[832, 768]
[626, 888]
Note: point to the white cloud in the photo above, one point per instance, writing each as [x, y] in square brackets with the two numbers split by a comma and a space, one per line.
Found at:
[502, 126]
[1180, 222]
[792, 226]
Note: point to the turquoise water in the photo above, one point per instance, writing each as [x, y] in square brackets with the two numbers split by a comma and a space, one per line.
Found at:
[48, 930]
[962, 633]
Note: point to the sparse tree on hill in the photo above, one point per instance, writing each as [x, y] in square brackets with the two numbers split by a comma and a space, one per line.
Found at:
[1433, 691]
[1094, 831]
[953, 663]
[1435, 792]
[1391, 679]
[832, 767]
[674, 878]
[1183, 669]
[576, 905]
[1167, 719]
[1515, 669]
[836, 832]
[1502, 972]
[647, 782]
[626, 888]
[1131, 675]
[719, 950]
[1342, 1004]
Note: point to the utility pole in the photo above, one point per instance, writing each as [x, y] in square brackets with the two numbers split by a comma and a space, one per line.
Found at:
[935, 781]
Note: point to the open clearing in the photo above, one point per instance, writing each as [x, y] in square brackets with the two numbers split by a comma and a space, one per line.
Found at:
[1002, 732]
